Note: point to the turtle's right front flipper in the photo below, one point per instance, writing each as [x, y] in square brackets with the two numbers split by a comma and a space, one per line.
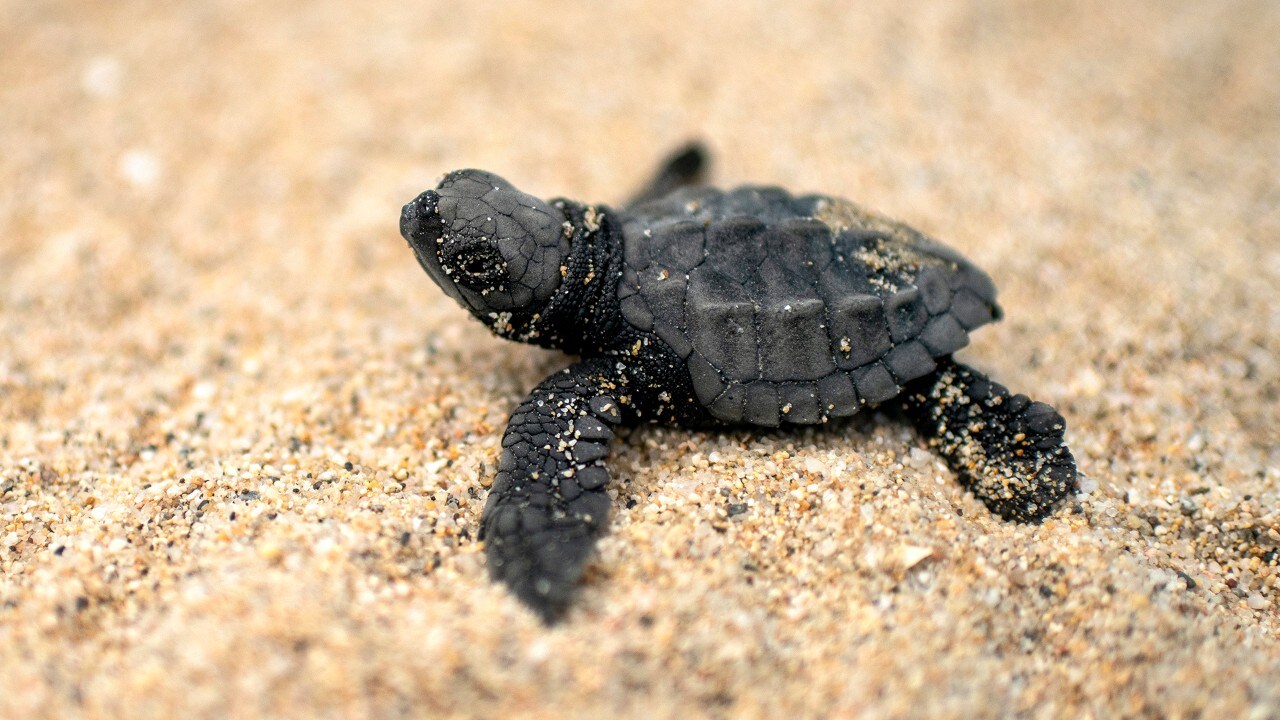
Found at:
[548, 504]
[686, 166]
[1008, 450]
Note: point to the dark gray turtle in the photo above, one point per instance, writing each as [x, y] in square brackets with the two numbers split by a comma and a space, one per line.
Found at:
[701, 307]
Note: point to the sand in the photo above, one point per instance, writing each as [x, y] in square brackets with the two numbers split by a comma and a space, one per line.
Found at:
[244, 441]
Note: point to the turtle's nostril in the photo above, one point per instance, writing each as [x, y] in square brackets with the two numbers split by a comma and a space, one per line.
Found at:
[416, 214]
[409, 219]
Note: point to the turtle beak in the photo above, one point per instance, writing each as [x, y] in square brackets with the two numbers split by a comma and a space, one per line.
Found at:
[414, 213]
[420, 226]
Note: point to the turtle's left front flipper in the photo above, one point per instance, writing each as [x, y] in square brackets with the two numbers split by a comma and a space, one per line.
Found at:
[1007, 449]
[548, 504]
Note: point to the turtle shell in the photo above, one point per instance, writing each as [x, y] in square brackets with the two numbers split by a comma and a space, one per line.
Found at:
[794, 309]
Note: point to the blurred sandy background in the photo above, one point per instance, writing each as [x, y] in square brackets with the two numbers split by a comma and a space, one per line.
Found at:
[244, 442]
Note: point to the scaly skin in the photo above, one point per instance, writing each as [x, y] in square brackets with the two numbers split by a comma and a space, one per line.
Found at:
[548, 504]
[1007, 449]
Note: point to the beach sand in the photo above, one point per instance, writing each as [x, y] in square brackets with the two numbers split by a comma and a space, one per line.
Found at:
[245, 441]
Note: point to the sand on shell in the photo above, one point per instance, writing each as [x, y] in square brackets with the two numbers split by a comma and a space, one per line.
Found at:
[244, 442]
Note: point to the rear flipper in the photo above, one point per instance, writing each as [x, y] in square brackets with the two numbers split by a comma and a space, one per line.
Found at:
[1007, 449]
[686, 166]
[548, 504]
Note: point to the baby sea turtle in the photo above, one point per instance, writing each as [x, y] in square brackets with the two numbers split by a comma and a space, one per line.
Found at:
[700, 307]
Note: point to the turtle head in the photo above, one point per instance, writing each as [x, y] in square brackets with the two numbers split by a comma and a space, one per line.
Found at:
[494, 249]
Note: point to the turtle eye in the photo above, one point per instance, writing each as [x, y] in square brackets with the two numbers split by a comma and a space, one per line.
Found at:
[475, 267]
[478, 266]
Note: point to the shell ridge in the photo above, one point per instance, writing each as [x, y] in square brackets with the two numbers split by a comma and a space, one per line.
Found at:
[837, 295]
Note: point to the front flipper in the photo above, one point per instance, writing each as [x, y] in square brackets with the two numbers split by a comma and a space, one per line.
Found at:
[548, 504]
[686, 166]
[1007, 449]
